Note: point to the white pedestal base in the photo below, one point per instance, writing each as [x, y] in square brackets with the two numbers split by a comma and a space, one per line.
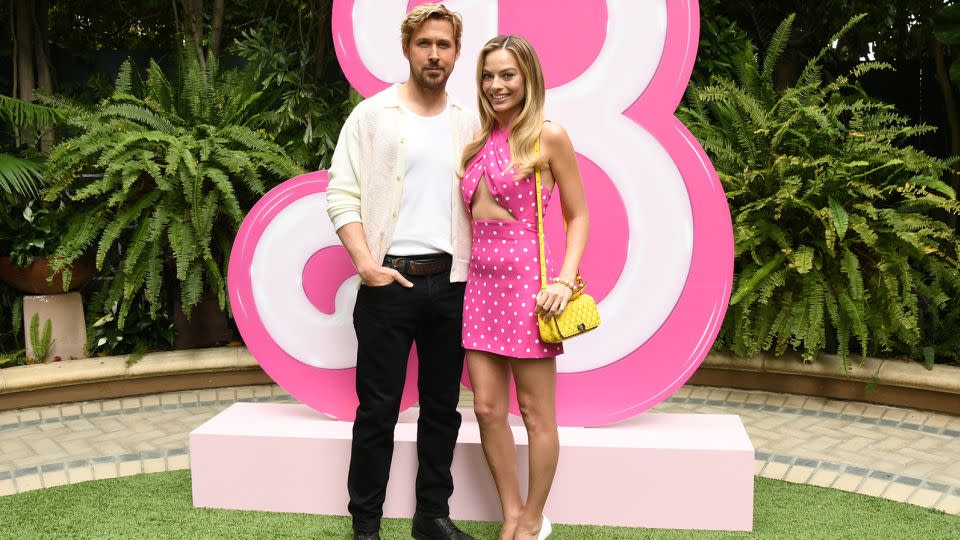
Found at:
[682, 471]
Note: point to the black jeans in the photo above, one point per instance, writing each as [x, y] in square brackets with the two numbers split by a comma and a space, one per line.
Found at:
[387, 321]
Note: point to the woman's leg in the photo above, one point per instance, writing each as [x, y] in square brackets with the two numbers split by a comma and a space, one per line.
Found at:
[490, 376]
[536, 380]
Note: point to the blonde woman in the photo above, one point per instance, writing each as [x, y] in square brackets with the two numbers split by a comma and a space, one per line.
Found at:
[503, 295]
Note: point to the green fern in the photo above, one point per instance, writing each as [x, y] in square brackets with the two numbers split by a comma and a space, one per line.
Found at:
[40, 342]
[176, 171]
[837, 243]
[26, 113]
[16, 314]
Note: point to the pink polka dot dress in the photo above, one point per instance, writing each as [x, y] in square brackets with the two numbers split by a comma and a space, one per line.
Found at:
[504, 278]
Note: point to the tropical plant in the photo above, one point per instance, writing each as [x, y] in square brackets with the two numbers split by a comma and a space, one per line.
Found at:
[178, 161]
[11, 325]
[21, 171]
[836, 218]
[14, 358]
[900, 32]
[947, 31]
[304, 114]
[19, 175]
[140, 333]
[23, 113]
[41, 342]
[31, 228]
[722, 44]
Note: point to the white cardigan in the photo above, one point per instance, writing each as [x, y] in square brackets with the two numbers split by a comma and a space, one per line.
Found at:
[367, 172]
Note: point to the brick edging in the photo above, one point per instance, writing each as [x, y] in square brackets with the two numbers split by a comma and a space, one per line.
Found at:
[872, 380]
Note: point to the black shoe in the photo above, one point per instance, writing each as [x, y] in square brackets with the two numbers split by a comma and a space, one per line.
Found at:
[358, 535]
[436, 529]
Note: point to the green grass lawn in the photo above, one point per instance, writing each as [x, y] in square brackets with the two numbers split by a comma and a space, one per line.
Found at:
[159, 506]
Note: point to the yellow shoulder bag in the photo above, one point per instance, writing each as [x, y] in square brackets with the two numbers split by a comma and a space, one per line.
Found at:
[581, 314]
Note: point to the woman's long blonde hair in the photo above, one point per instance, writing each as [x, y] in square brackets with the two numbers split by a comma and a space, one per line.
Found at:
[525, 131]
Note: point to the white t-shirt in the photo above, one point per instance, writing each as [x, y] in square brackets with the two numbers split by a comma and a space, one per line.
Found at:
[424, 220]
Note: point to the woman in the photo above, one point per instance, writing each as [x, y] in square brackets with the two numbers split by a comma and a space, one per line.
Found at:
[503, 295]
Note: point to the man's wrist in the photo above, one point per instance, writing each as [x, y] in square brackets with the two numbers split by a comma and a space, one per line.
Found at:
[366, 269]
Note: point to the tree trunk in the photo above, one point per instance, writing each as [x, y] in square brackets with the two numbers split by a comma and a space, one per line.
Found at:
[216, 27]
[14, 75]
[950, 101]
[42, 56]
[31, 62]
[176, 18]
[21, 13]
[949, 98]
[193, 26]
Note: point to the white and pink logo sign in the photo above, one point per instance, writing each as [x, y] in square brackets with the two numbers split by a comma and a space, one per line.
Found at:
[660, 255]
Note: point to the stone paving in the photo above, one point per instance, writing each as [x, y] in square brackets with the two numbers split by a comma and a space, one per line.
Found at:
[900, 454]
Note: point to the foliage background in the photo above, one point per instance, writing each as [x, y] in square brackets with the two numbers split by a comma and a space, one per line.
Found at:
[279, 52]
[302, 99]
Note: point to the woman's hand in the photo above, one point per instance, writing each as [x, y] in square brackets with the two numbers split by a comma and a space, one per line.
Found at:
[552, 300]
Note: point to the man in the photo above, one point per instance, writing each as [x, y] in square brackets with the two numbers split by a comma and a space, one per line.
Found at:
[394, 200]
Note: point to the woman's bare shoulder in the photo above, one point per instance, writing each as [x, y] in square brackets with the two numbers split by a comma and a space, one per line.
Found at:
[554, 136]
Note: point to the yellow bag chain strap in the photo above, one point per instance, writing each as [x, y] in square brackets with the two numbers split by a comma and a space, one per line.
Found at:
[539, 195]
[543, 260]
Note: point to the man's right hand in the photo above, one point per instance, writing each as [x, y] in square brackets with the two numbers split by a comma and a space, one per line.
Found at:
[381, 276]
[371, 273]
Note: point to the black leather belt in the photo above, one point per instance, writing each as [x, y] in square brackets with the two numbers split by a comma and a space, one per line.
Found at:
[422, 265]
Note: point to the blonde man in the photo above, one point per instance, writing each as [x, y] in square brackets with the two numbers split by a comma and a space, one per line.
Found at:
[394, 200]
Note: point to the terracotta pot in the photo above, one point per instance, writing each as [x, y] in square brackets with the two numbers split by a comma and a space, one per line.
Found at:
[33, 279]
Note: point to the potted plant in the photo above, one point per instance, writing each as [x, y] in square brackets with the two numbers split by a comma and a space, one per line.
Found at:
[30, 231]
[178, 159]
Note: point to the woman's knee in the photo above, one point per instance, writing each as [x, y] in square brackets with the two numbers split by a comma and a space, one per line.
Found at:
[537, 416]
[489, 411]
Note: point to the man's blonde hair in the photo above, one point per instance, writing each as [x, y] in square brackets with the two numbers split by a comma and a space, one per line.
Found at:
[425, 12]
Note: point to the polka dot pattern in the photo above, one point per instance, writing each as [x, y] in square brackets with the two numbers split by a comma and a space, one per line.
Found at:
[504, 278]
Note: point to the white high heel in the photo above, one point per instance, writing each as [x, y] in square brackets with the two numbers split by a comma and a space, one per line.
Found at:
[545, 529]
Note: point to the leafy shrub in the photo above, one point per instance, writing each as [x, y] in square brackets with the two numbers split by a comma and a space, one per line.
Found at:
[20, 164]
[140, 333]
[30, 228]
[837, 220]
[722, 44]
[302, 114]
[178, 161]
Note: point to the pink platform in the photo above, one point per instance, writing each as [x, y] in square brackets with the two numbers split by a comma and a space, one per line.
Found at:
[681, 471]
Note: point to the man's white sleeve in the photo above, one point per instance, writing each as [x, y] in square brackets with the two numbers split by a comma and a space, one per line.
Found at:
[343, 191]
